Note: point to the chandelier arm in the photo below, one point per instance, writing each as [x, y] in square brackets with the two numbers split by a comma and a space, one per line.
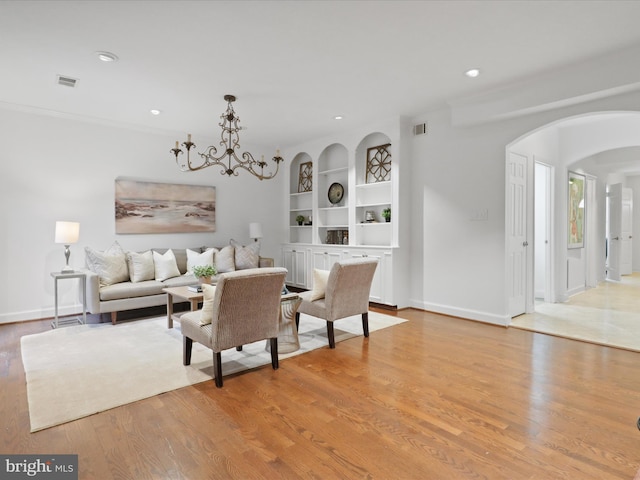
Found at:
[230, 143]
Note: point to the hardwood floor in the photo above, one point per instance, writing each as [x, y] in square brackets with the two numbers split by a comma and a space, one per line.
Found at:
[432, 398]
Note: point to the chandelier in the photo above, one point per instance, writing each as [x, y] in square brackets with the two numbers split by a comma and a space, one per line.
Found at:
[228, 158]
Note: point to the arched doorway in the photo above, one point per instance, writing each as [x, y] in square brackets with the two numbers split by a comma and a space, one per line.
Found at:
[561, 145]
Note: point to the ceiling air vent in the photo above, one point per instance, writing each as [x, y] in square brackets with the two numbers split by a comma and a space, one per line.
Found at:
[67, 81]
[420, 129]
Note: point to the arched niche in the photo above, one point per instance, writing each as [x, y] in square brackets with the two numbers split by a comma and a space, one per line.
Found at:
[372, 140]
[294, 170]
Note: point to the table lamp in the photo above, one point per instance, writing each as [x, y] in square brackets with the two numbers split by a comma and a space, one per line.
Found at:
[67, 233]
[255, 231]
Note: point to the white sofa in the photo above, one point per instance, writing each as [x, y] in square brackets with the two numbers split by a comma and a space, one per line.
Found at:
[127, 289]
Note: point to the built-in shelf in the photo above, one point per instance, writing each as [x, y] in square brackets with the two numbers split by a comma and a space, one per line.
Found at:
[334, 170]
[332, 208]
[335, 164]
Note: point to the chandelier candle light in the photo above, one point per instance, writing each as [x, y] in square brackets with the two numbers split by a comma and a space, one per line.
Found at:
[230, 140]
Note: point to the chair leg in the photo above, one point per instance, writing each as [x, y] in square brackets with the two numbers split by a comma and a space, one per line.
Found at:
[274, 352]
[239, 348]
[217, 368]
[332, 340]
[297, 320]
[187, 343]
[365, 323]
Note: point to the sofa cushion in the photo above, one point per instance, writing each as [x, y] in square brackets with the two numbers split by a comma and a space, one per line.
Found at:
[180, 254]
[141, 266]
[110, 264]
[199, 259]
[181, 281]
[165, 265]
[246, 257]
[130, 290]
[145, 288]
[225, 261]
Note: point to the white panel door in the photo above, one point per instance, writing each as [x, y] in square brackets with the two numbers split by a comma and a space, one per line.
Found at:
[626, 232]
[517, 233]
[614, 210]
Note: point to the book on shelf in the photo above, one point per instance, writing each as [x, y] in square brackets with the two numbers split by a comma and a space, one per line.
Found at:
[195, 288]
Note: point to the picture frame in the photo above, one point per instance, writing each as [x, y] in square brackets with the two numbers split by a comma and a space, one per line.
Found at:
[144, 207]
[378, 164]
[305, 177]
[575, 210]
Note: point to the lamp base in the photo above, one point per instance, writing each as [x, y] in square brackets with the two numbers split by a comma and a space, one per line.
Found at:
[67, 253]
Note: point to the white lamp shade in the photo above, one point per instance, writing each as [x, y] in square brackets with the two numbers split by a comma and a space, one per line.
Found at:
[255, 230]
[67, 232]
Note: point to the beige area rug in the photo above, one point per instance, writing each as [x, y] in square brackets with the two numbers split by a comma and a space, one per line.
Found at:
[77, 371]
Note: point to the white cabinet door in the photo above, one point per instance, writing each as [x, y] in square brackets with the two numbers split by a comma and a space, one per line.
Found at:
[295, 261]
[377, 293]
[324, 258]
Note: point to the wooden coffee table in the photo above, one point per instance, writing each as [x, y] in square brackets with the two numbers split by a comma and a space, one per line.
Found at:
[180, 294]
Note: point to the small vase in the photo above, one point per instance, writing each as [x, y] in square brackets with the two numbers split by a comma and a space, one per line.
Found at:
[206, 280]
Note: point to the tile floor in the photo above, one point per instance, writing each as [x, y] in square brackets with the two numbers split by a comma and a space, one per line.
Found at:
[606, 315]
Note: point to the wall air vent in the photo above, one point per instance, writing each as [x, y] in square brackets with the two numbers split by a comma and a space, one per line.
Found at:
[67, 81]
[420, 129]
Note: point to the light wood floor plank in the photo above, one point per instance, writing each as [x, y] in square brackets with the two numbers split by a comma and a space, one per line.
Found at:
[435, 397]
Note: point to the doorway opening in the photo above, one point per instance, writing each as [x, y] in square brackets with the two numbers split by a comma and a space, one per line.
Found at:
[551, 271]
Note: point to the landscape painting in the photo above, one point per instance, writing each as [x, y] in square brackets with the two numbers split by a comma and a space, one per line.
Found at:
[576, 210]
[150, 207]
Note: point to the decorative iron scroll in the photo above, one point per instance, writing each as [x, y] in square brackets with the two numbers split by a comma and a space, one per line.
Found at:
[378, 164]
[305, 182]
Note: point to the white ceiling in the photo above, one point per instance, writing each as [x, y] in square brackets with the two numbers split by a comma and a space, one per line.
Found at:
[293, 65]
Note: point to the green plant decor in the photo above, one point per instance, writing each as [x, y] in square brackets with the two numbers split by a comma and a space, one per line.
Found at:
[299, 219]
[386, 213]
[204, 271]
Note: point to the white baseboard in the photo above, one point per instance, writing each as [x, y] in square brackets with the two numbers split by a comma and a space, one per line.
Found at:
[50, 312]
[493, 319]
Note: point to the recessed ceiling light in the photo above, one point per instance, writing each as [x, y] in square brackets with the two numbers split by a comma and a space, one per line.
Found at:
[472, 73]
[155, 112]
[338, 117]
[107, 56]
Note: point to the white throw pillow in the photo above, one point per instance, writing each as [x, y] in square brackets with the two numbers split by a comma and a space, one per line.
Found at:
[206, 314]
[320, 278]
[225, 260]
[165, 265]
[246, 257]
[141, 266]
[197, 259]
[110, 265]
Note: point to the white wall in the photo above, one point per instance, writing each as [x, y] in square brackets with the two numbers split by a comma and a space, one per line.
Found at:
[462, 169]
[54, 169]
[63, 169]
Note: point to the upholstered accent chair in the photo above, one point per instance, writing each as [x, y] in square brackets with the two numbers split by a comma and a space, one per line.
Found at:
[244, 308]
[346, 293]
